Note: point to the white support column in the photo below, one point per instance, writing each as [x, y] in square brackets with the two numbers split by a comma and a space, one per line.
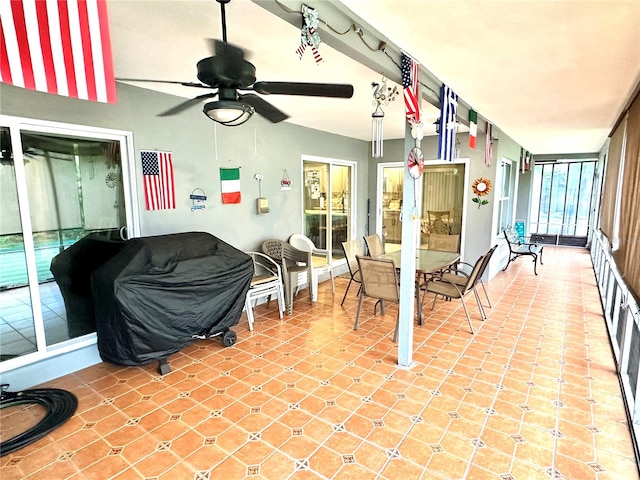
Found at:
[407, 263]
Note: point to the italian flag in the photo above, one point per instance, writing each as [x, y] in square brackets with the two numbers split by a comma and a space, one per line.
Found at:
[230, 185]
[473, 128]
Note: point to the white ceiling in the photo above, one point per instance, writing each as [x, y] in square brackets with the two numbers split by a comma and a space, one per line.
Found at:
[553, 75]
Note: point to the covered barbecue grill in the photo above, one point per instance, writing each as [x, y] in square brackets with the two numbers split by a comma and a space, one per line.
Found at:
[159, 293]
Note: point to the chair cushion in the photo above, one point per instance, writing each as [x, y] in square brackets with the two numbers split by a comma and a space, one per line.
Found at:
[260, 279]
[528, 248]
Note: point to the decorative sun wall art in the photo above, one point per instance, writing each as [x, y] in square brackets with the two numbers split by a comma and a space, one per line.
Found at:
[481, 187]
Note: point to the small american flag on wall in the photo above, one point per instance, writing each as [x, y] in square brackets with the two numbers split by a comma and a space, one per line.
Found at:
[157, 176]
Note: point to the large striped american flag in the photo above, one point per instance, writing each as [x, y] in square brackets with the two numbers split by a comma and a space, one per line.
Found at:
[448, 127]
[157, 176]
[61, 47]
[410, 70]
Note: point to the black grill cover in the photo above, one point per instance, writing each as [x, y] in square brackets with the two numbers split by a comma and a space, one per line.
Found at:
[157, 292]
[72, 269]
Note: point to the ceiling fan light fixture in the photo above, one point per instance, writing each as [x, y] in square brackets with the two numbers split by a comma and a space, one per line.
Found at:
[228, 112]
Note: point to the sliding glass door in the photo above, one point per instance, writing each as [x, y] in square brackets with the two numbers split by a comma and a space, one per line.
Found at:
[327, 203]
[58, 185]
[443, 198]
[392, 181]
[439, 199]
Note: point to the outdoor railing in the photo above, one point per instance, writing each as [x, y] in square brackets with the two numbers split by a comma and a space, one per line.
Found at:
[622, 316]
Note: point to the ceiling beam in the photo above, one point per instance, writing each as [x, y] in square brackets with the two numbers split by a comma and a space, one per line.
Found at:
[349, 34]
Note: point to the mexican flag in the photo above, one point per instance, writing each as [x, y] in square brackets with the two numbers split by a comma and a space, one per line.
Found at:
[473, 128]
[230, 185]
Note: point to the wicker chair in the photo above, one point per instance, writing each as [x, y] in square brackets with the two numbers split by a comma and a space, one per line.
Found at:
[293, 263]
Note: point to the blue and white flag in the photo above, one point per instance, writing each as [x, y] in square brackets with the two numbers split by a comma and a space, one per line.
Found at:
[448, 129]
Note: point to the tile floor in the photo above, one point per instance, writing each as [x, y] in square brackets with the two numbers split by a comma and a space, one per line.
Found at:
[17, 333]
[532, 395]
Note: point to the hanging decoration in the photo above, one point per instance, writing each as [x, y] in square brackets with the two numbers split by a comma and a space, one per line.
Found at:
[382, 96]
[409, 72]
[488, 146]
[448, 124]
[309, 36]
[285, 183]
[111, 154]
[111, 179]
[262, 204]
[481, 187]
[415, 165]
[526, 160]
[197, 198]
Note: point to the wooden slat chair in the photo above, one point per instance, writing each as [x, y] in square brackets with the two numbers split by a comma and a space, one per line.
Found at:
[519, 248]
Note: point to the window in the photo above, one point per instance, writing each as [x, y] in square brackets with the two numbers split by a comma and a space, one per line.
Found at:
[504, 194]
[561, 201]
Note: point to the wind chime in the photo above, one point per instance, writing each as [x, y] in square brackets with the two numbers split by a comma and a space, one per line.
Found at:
[382, 96]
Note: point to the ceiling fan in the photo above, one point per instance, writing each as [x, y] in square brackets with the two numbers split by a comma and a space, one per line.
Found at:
[227, 73]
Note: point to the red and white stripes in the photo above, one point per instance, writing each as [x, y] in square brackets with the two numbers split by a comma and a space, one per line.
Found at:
[61, 47]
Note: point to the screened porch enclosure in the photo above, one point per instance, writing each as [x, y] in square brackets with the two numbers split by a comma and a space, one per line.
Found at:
[562, 202]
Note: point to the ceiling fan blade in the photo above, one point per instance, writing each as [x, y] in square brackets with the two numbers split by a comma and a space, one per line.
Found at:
[187, 104]
[224, 49]
[336, 90]
[174, 82]
[264, 108]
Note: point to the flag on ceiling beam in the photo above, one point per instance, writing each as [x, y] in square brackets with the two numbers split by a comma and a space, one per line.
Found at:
[526, 159]
[488, 145]
[230, 185]
[157, 176]
[410, 71]
[58, 47]
[448, 125]
[473, 128]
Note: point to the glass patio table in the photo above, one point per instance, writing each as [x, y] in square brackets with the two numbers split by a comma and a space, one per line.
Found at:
[428, 262]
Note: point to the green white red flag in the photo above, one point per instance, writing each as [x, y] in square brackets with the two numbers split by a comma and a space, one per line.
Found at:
[473, 128]
[230, 185]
